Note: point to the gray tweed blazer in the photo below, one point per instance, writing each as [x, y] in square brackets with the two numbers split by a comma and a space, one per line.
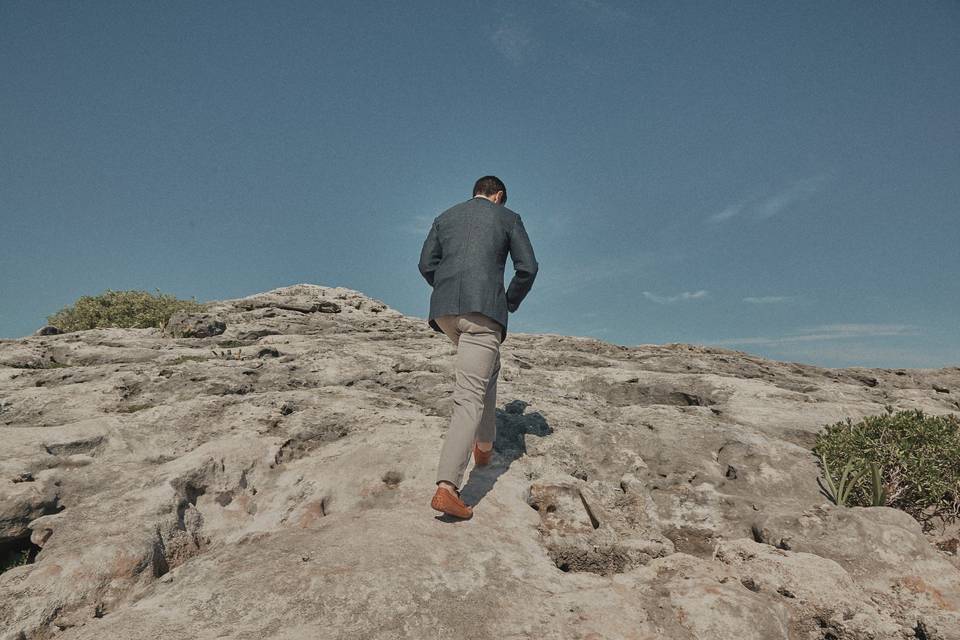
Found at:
[463, 259]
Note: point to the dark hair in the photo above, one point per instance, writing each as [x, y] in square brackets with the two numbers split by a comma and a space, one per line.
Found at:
[489, 185]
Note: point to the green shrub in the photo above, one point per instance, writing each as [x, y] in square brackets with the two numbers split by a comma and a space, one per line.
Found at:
[14, 558]
[906, 460]
[839, 491]
[134, 308]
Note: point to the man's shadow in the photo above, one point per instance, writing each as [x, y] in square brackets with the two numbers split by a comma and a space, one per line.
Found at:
[509, 445]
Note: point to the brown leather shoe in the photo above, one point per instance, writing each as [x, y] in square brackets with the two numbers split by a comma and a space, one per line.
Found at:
[450, 504]
[481, 458]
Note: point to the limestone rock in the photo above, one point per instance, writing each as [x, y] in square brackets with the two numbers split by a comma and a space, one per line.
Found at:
[184, 324]
[164, 489]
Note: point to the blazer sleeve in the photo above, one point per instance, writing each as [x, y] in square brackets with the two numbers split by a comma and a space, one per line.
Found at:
[430, 254]
[524, 264]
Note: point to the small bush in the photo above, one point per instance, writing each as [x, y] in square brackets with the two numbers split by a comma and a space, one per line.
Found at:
[917, 455]
[14, 555]
[133, 308]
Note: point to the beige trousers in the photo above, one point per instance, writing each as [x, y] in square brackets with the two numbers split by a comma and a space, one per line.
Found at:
[474, 417]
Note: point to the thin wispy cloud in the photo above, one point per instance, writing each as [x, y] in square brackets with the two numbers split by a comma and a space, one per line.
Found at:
[768, 205]
[860, 330]
[686, 295]
[568, 278]
[827, 332]
[863, 355]
[767, 299]
[799, 190]
[513, 42]
[727, 213]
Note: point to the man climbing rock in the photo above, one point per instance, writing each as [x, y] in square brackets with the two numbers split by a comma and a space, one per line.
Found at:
[463, 259]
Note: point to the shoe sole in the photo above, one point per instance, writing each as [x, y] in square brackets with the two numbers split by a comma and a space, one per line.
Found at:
[437, 505]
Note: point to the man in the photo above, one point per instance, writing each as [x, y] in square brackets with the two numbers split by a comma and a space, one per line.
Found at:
[463, 259]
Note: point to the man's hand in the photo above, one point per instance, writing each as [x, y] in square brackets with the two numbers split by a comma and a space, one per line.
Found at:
[524, 263]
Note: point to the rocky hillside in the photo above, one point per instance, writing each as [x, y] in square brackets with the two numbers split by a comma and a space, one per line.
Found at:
[273, 479]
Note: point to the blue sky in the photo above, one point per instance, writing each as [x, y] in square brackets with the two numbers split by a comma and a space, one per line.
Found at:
[781, 178]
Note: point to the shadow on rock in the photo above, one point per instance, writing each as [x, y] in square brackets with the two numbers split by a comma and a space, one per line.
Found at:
[510, 444]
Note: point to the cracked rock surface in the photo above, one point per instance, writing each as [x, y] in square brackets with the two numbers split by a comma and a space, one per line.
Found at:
[265, 471]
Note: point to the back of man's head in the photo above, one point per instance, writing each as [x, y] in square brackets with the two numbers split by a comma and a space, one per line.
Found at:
[488, 186]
